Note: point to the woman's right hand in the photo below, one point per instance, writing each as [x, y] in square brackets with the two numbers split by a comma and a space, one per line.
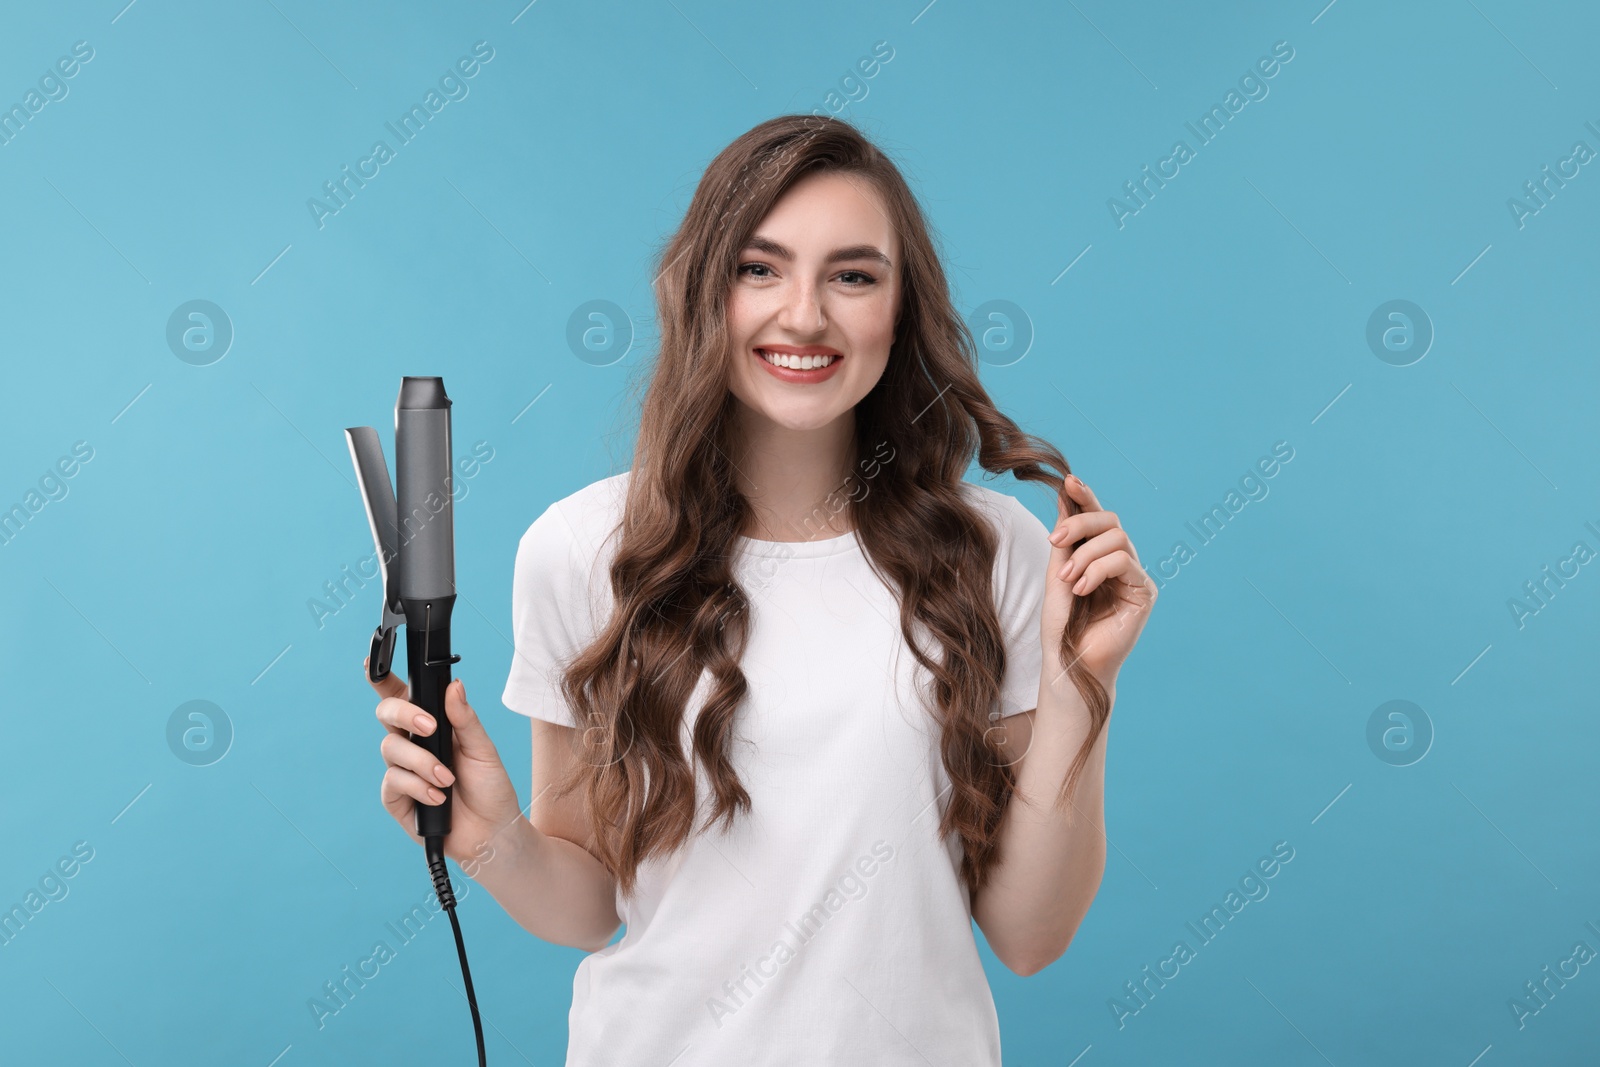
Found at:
[484, 800]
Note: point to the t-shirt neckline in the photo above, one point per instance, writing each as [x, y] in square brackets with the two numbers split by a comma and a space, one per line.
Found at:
[827, 546]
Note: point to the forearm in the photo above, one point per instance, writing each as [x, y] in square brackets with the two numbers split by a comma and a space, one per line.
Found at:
[552, 887]
[1052, 849]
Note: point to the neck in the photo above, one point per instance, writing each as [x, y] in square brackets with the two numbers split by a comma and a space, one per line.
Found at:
[794, 479]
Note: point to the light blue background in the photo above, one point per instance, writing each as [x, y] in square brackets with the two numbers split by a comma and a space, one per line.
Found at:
[1229, 314]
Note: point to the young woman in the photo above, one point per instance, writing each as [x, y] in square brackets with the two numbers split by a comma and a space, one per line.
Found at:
[805, 702]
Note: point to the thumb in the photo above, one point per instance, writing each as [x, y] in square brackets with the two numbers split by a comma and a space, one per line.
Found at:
[1058, 595]
[1060, 552]
[471, 739]
[391, 686]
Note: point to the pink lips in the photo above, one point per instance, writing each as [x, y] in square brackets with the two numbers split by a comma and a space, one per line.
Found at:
[801, 377]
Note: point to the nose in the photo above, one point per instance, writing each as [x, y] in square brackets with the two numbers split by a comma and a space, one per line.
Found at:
[802, 310]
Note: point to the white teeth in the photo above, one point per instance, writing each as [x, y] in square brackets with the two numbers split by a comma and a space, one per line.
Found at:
[796, 362]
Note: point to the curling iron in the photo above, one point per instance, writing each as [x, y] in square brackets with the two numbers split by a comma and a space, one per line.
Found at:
[414, 534]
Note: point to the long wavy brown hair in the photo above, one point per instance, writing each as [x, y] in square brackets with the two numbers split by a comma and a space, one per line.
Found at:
[678, 611]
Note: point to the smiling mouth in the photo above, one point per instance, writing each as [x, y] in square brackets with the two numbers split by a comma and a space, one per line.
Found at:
[797, 363]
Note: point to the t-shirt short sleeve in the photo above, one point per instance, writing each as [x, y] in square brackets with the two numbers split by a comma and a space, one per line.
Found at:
[1019, 582]
[552, 614]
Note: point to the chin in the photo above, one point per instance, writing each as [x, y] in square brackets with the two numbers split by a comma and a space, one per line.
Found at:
[790, 412]
[791, 418]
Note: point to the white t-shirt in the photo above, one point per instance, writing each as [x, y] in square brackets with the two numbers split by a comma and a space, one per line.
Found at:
[830, 925]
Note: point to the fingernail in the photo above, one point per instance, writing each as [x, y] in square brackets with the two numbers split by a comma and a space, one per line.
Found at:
[444, 775]
[423, 722]
[435, 796]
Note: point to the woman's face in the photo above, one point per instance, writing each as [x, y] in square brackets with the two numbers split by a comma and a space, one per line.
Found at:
[820, 277]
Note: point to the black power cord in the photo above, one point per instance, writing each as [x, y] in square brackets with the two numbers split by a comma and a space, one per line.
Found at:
[433, 848]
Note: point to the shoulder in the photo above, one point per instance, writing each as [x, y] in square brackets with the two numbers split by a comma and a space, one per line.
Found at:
[1021, 568]
[1012, 519]
[580, 522]
[1022, 552]
[564, 553]
[560, 595]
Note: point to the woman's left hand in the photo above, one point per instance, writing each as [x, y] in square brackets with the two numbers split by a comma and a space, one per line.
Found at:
[1106, 558]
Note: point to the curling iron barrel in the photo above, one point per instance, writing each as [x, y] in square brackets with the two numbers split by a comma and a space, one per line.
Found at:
[427, 565]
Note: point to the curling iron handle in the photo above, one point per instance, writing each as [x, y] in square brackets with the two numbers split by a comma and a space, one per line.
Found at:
[429, 680]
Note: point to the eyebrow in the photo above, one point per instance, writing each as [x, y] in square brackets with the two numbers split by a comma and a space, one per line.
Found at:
[773, 248]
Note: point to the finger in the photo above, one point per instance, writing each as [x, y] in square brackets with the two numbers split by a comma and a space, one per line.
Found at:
[1118, 564]
[472, 740]
[399, 782]
[1075, 528]
[402, 716]
[391, 686]
[398, 752]
[1104, 544]
[401, 807]
[1081, 493]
